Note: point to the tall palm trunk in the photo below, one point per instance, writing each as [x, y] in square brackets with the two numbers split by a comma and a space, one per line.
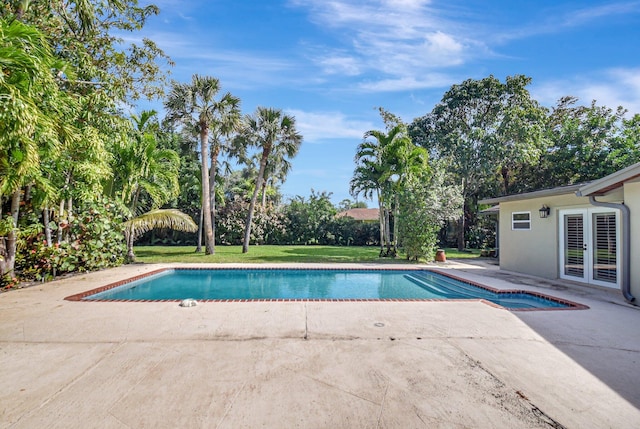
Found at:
[60, 218]
[8, 253]
[254, 198]
[199, 245]
[381, 219]
[387, 232]
[215, 151]
[46, 220]
[264, 193]
[396, 214]
[206, 206]
[130, 235]
[461, 221]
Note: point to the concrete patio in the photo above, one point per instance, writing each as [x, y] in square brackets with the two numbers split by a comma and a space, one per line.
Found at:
[318, 364]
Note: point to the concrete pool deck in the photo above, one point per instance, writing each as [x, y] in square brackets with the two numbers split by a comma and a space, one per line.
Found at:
[318, 364]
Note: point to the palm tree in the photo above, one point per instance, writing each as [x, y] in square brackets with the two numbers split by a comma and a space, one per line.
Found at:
[195, 104]
[272, 131]
[381, 167]
[30, 103]
[276, 171]
[146, 176]
[158, 218]
[365, 181]
[403, 160]
[227, 121]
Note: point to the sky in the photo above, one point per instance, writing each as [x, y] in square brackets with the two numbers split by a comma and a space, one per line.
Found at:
[332, 63]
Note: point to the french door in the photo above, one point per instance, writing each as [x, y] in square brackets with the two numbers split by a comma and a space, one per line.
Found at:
[589, 246]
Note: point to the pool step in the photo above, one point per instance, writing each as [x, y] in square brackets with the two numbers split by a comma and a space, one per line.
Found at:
[449, 288]
[452, 288]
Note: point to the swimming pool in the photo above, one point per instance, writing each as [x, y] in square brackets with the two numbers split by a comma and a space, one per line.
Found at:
[312, 284]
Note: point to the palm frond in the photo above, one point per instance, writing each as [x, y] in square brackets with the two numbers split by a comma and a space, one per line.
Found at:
[160, 218]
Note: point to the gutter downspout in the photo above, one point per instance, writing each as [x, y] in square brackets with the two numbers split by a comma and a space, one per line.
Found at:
[625, 286]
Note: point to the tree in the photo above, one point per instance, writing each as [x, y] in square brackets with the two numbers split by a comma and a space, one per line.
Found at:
[64, 76]
[269, 130]
[186, 143]
[626, 150]
[405, 162]
[146, 177]
[30, 103]
[195, 104]
[483, 128]
[383, 161]
[368, 179]
[310, 221]
[226, 120]
[276, 171]
[347, 204]
[158, 218]
[365, 181]
[77, 103]
[587, 142]
[426, 203]
[90, 37]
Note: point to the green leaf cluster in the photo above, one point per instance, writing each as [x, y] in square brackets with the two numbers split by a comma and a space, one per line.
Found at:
[95, 242]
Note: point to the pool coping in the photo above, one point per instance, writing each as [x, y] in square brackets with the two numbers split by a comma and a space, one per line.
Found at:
[571, 305]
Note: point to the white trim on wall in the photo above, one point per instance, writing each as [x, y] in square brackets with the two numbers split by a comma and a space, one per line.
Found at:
[520, 222]
[589, 270]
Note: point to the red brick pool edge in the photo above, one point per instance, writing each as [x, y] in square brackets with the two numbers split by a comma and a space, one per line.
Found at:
[570, 305]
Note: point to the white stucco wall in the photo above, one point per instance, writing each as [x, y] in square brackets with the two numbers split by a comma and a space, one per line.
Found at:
[536, 251]
[632, 200]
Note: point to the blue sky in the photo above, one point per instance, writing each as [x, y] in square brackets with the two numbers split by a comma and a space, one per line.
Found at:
[331, 63]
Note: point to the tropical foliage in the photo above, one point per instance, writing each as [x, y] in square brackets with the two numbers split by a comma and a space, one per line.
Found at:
[94, 242]
[195, 106]
[483, 129]
[425, 209]
[63, 78]
[390, 165]
[81, 181]
[274, 134]
[495, 139]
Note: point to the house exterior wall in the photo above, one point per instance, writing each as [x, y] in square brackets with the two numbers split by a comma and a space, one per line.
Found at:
[632, 200]
[536, 251]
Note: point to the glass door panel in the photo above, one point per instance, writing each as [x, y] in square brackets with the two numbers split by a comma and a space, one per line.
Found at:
[589, 250]
[604, 247]
[574, 242]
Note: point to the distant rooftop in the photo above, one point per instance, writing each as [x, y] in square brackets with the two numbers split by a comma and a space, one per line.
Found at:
[360, 214]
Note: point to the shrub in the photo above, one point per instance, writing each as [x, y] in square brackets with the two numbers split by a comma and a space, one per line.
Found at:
[93, 240]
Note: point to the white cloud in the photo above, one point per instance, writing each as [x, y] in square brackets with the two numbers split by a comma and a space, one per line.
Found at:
[235, 69]
[556, 20]
[316, 126]
[432, 80]
[589, 14]
[394, 40]
[407, 4]
[340, 64]
[611, 88]
[439, 43]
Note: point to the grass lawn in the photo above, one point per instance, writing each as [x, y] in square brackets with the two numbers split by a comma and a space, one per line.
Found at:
[454, 253]
[258, 254]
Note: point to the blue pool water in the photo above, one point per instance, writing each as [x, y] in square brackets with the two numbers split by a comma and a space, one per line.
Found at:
[256, 284]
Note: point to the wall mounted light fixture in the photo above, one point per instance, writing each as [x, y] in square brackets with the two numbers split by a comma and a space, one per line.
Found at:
[544, 212]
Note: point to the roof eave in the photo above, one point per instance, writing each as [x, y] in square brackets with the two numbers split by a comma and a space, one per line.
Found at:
[610, 182]
[562, 190]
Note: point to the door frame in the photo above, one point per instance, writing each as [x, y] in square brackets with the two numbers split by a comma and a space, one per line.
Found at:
[588, 236]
